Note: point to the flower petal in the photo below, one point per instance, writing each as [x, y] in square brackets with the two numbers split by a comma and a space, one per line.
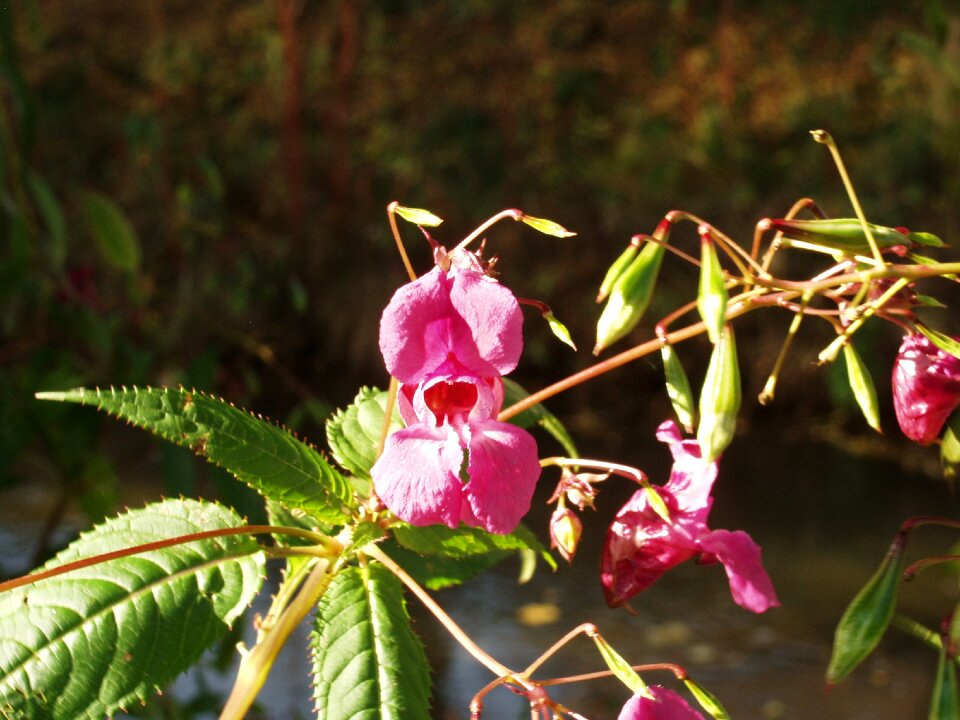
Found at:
[749, 583]
[494, 315]
[664, 705]
[926, 388]
[640, 547]
[418, 475]
[691, 478]
[504, 469]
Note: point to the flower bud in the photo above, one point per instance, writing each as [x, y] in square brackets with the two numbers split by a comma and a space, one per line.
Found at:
[719, 397]
[629, 297]
[926, 388]
[712, 296]
[861, 383]
[846, 235]
[565, 532]
[868, 615]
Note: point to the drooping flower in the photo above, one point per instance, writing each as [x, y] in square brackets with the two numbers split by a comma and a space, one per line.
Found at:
[926, 388]
[448, 337]
[664, 704]
[640, 545]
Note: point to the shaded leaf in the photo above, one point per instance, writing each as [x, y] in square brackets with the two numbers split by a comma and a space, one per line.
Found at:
[262, 455]
[354, 433]
[100, 638]
[113, 232]
[537, 415]
[436, 572]
[945, 701]
[467, 541]
[367, 662]
[52, 216]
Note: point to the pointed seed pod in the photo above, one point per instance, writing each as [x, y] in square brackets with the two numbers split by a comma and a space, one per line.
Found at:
[629, 297]
[712, 296]
[861, 383]
[945, 701]
[846, 235]
[867, 617]
[619, 265]
[678, 387]
[719, 398]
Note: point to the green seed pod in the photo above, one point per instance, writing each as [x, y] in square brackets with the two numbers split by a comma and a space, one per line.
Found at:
[629, 297]
[868, 615]
[678, 387]
[719, 398]
[945, 702]
[712, 296]
[619, 265]
[846, 235]
[861, 383]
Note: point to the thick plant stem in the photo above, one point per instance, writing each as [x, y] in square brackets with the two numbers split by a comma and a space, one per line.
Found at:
[257, 663]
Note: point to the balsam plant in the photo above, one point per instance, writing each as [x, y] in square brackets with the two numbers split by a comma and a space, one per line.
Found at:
[426, 483]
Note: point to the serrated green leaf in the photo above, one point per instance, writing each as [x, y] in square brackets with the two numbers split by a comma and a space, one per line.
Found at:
[417, 216]
[89, 642]
[112, 231]
[944, 342]
[259, 453]
[537, 415]
[547, 227]
[467, 541]
[354, 433]
[367, 662]
[436, 572]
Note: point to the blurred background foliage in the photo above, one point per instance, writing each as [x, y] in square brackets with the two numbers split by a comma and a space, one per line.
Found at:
[194, 193]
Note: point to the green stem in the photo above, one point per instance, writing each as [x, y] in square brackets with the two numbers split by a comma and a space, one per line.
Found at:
[391, 217]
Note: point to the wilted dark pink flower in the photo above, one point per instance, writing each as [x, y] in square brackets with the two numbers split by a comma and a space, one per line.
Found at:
[641, 546]
[448, 337]
[664, 704]
[926, 388]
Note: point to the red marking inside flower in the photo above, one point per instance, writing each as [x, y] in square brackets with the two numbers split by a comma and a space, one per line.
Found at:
[451, 402]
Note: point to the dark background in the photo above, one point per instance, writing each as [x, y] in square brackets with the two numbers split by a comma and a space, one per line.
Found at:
[250, 149]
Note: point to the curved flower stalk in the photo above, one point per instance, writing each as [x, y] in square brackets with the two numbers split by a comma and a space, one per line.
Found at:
[447, 337]
[658, 703]
[641, 546]
[926, 388]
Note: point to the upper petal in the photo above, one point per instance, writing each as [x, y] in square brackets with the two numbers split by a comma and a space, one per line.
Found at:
[749, 583]
[504, 469]
[664, 705]
[691, 478]
[418, 475]
[926, 388]
[493, 315]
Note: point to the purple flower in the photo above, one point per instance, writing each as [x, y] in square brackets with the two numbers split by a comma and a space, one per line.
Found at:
[926, 388]
[448, 337]
[664, 704]
[641, 546]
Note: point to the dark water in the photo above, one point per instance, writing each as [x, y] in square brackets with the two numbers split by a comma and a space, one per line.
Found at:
[824, 519]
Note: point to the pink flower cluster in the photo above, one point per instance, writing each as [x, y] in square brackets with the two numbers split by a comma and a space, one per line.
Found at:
[448, 337]
[926, 388]
[641, 546]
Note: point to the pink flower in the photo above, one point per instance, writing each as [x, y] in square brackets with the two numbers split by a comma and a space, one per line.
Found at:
[664, 705]
[640, 546]
[448, 337]
[926, 388]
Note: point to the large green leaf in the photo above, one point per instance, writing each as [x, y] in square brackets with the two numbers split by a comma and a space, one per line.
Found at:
[354, 433]
[266, 457]
[436, 572]
[101, 638]
[367, 662]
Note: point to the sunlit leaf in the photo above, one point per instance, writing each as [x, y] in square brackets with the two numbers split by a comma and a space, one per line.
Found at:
[354, 433]
[417, 216]
[92, 641]
[367, 662]
[559, 329]
[944, 342]
[708, 701]
[547, 227]
[264, 456]
[861, 383]
[620, 668]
